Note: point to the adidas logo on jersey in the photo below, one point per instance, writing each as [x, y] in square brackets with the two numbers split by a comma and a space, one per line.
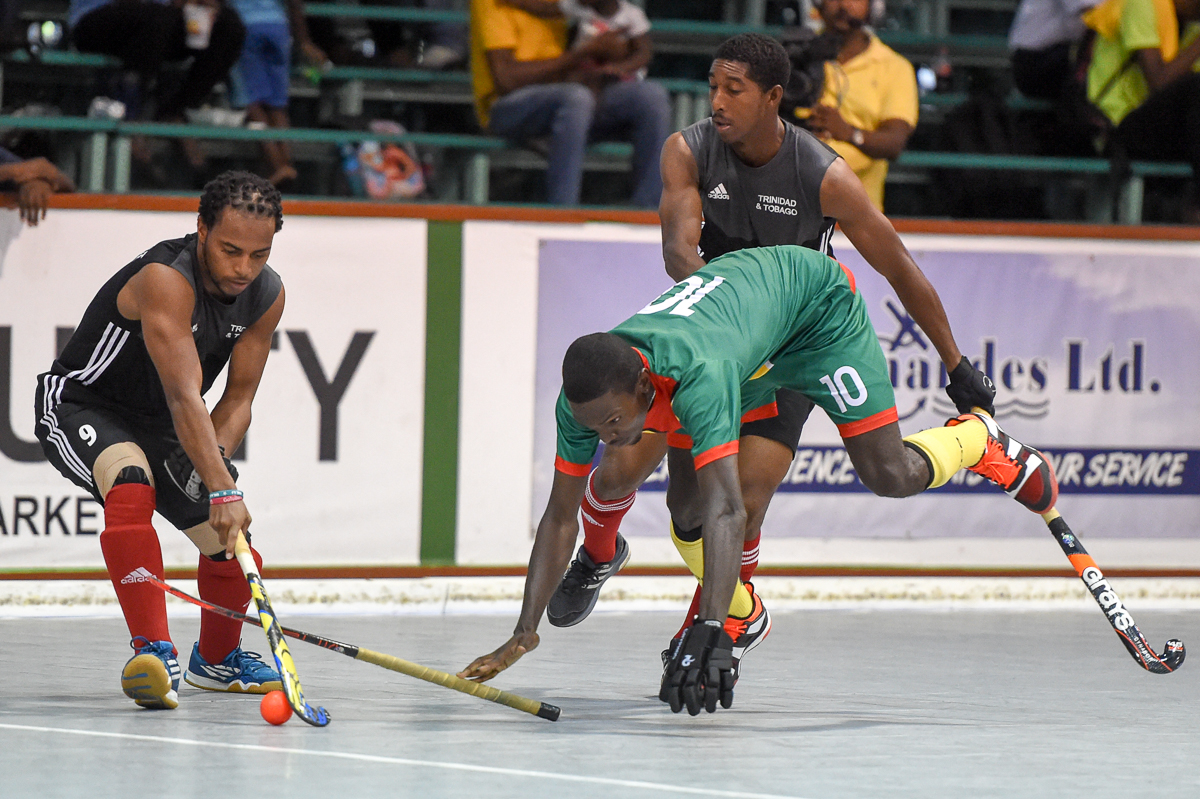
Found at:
[719, 193]
[138, 575]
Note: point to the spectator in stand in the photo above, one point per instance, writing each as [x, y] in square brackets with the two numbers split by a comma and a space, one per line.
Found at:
[1144, 82]
[146, 34]
[261, 78]
[33, 180]
[1045, 41]
[527, 85]
[868, 109]
[590, 18]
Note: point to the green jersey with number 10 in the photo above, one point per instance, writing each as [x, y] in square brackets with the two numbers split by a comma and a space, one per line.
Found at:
[711, 342]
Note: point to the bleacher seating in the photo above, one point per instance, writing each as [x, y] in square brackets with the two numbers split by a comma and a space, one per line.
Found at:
[970, 33]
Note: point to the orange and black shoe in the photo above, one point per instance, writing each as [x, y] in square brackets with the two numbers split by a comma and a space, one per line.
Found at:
[749, 632]
[1024, 473]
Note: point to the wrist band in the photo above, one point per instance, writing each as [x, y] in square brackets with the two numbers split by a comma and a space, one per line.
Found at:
[222, 497]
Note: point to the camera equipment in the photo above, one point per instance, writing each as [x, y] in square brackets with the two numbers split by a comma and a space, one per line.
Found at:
[808, 53]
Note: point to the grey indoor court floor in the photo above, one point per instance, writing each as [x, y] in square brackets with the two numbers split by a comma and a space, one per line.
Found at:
[882, 703]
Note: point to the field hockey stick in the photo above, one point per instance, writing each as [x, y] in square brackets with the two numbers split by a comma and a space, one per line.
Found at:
[1173, 652]
[539, 709]
[279, 649]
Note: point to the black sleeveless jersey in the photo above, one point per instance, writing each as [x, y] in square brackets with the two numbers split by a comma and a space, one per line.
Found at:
[106, 362]
[775, 204]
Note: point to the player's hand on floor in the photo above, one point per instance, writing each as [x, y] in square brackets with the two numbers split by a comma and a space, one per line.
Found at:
[701, 672]
[488, 666]
[970, 388]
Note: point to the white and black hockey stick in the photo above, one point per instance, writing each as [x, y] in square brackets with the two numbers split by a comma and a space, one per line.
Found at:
[1114, 610]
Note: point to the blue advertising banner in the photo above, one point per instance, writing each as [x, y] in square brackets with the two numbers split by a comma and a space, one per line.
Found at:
[1091, 345]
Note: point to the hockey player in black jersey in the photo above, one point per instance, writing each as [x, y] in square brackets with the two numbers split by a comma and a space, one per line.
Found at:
[121, 414]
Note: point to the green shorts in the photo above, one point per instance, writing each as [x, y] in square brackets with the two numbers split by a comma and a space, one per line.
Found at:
[844, 372]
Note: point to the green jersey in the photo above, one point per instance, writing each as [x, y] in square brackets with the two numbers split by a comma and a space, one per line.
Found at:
[714, 344]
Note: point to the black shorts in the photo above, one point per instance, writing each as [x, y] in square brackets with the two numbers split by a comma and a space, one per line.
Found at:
[73, 436]
[785, 428]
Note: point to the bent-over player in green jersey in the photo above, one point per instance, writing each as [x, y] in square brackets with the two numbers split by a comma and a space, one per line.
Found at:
[697, 361]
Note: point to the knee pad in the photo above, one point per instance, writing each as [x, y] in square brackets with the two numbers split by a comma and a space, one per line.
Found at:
[114, 463]
[132, 474]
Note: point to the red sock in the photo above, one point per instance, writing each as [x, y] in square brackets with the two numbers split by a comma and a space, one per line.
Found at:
[130, 546]
[749, 558]
[601, 521]
[221, 582]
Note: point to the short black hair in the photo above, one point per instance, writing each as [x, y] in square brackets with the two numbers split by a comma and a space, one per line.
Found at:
[598, 363]
[241, 190]
[766, 61]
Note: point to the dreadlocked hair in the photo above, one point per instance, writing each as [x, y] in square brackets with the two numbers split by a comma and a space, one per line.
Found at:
[244, 192]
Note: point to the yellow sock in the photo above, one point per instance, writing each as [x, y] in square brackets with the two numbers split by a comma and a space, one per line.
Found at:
[693, 555]
[949, 449]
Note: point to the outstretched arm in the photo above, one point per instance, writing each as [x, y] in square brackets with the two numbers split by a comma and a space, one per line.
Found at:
[724, 531]
[681, 209]
[552, 548]
[162, 300]
[843, 197]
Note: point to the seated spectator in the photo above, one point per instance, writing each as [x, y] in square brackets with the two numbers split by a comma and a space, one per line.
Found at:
[527, 86]
[1049, 44]
[33, 180]
[261, 78]
[593, 17]
[1143, 81]
[868, 108]
[1045, 39]
[146, 34]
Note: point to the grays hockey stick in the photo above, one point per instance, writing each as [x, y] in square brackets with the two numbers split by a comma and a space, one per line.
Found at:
[279, 648]
[539, 709]
[1114, 610]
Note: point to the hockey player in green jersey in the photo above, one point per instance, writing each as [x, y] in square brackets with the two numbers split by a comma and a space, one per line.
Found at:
[694, 364]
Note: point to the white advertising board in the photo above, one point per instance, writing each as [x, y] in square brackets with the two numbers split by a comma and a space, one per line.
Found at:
[332, 472]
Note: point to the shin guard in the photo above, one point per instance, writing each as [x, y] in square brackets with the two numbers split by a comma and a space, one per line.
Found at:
[131, 551]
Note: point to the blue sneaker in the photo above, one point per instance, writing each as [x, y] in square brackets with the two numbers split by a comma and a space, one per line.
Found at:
[151, 677]
[241, 672]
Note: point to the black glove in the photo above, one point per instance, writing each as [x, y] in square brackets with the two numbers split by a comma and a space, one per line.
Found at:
[700, 671]
[183, 474]
[970, 388]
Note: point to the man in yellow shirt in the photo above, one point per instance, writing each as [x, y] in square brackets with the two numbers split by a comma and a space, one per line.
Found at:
[523, 80]
[1142, 77]
[868, 108]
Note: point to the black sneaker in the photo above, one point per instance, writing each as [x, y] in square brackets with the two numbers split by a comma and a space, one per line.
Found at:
[576, 595]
